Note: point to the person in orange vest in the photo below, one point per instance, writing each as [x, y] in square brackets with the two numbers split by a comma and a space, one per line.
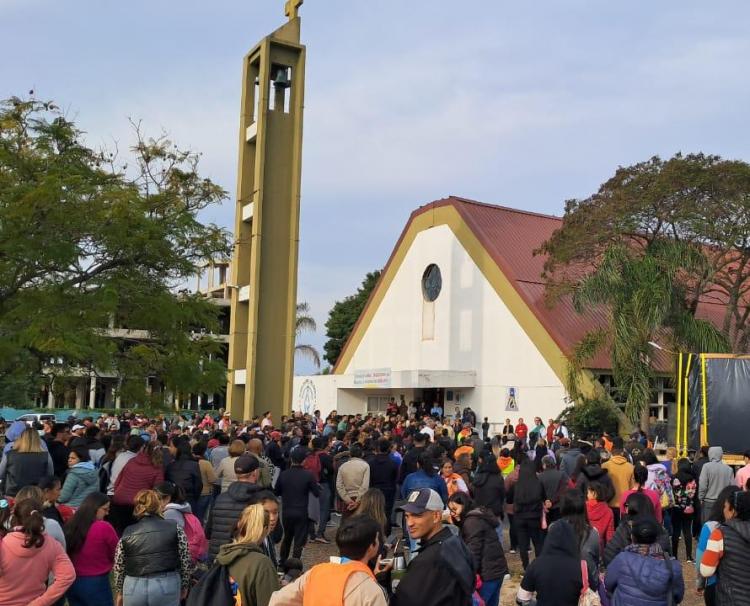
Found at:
[453, 482]
[346, 580]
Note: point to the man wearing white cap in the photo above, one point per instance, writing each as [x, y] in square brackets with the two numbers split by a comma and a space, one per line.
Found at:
[444, 571]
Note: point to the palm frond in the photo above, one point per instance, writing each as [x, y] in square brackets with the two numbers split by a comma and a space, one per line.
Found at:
[309, 352]
[304, 322]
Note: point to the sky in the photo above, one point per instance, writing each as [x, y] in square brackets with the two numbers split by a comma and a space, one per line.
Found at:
[525, 104]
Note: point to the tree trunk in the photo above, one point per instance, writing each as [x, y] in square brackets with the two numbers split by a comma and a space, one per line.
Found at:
[645, 422]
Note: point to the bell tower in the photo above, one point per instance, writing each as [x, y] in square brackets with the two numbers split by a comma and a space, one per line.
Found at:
[264, 257]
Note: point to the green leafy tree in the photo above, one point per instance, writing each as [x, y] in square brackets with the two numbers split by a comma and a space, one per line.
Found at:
[591, 417]
[94, 249]
[343, 316]
[699, 200]
[306, 323]
[644, 300]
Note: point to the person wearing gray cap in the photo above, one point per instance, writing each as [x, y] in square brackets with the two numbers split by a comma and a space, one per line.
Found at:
[443, 572]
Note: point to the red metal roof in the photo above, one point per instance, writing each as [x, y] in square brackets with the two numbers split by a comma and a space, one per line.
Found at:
[511, 236]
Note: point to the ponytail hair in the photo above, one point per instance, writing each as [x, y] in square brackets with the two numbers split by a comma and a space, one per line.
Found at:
[154, 452]
[27, 515]
[169, 489]
[640, 475]
[147, 503]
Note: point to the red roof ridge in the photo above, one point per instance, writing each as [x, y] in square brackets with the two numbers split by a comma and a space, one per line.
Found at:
[506, 208]
[451, 200]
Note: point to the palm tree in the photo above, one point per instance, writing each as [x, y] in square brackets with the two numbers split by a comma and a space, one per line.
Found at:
[645, 294]
[306, 323]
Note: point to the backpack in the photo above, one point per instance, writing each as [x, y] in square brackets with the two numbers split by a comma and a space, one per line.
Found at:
[104, 476]
[459, 561]
[197, 541]
[312, 464]
[215, 588]
[684, 495]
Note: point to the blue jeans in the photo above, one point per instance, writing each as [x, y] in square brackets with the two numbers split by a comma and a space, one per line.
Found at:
[325, 508]
[490, 592]
[90, 591]
[154, 590]
[201, 507]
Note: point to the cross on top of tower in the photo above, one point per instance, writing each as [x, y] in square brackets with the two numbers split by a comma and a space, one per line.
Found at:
[291, 8]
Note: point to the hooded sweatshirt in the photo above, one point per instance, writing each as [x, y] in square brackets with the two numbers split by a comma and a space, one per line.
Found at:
[601, 517]
[81, 481]
[595, 473]
[176, 512]
[252, 570]
[621, 473]
[555, 575]
[14, 432]
[715, 476]
[25, 571]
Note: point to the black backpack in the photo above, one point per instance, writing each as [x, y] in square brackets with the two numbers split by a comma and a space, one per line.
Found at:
[213, 589]
[104, 476]
[457, 557]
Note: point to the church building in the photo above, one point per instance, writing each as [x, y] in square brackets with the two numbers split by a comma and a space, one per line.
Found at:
[459, 317]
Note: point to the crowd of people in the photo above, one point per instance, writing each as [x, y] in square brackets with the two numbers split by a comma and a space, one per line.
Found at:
[204, 509]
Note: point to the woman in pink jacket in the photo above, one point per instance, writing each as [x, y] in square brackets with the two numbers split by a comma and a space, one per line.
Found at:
[28, 556]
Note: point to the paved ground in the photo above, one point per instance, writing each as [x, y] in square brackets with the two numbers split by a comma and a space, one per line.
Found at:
[315, 553]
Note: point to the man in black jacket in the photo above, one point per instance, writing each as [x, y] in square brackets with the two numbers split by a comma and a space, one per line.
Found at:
[384, 473]
[443, 572]
[409, 464]
[58, 449]
[593, 472]
[489, 487]
[293, 487]
[229, 505]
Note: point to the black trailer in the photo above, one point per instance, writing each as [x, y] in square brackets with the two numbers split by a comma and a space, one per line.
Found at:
[713, 403]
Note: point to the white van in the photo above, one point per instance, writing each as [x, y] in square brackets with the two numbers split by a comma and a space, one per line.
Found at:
[31, 418]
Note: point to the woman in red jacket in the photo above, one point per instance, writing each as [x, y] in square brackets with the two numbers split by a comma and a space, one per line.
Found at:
[599, 514]
[142, 472]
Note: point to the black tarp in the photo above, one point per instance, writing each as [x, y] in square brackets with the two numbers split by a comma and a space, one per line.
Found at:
[728, 397]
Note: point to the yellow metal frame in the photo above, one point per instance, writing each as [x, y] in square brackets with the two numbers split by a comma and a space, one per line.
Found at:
[684, 366]
[684, 363]
[686, 397]
[678, 428]
[704, 424]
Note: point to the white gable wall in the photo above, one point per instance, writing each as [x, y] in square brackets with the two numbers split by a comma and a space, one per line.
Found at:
[474, 330]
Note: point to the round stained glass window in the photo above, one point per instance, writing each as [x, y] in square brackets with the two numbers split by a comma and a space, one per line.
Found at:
[432, 282]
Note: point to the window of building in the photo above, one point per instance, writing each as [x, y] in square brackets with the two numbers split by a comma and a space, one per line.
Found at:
[432, 282]
[663, 395]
